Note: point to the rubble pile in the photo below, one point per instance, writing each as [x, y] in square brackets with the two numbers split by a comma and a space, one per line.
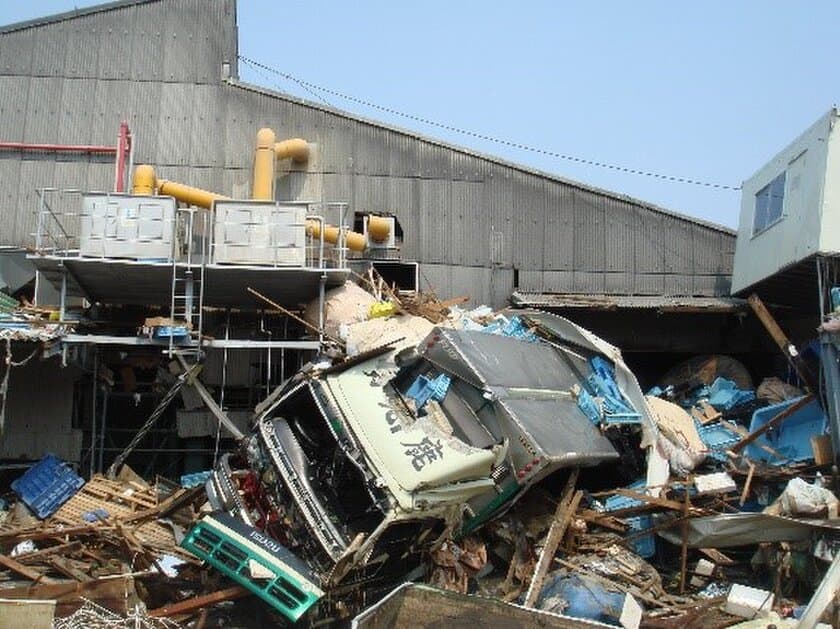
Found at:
[510, 460]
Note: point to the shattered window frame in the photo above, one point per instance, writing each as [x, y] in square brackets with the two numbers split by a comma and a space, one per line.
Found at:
[769, 204]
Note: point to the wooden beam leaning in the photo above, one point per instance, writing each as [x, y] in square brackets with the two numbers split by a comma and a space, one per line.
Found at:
[784, 343]
[566, 508]
[198, 602]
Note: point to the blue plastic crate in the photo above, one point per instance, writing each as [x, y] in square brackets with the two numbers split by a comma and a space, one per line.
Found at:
[644, 546]
[718, 439]
[195, 479]
[792, 438]
[47, 485]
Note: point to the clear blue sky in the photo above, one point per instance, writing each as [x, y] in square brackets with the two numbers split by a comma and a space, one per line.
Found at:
[707, 90]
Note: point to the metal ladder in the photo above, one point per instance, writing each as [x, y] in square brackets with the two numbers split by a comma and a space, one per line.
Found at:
[187, 295]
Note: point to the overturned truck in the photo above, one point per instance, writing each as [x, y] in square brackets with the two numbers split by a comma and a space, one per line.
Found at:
[356, 470]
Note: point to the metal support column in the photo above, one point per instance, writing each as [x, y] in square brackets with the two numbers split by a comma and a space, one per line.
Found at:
[93, 412]
[62, 308]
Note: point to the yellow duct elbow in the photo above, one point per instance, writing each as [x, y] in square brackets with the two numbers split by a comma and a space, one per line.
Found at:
[263, 186]
[295, 149]
[144, 180]
[188, 194]
[378, 228]
[354, 240]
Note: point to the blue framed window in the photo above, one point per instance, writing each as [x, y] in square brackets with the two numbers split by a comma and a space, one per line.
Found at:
[769, 202]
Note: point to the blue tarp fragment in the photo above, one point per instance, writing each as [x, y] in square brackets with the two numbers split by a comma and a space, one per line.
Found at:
[581, 596]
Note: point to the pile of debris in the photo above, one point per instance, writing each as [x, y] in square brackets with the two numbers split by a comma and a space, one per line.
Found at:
[508, 461]
[105, 545]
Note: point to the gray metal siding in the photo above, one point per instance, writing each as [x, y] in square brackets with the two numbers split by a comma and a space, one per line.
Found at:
[469, 220]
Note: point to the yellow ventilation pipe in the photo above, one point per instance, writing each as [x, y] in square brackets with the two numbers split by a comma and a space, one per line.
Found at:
[355, 241]
[378, 228]
[263, 187]
[188, 194]
[295, 149]
[144, 180]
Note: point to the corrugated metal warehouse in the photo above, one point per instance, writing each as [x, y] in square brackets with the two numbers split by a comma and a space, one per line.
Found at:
[651, 281]
[476, 224]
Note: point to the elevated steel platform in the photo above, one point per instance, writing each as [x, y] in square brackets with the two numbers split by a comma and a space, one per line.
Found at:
[139, 282]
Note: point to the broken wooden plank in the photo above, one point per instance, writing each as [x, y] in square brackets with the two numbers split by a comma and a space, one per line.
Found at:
[746, 491]
[115, 593]
[672, 505]
[24, 571]
[569, 501]
[291, 314]
[198, 602]
[774, 422]
[788, 349]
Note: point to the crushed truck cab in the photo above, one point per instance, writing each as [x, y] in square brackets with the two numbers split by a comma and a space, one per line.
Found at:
[360, 468]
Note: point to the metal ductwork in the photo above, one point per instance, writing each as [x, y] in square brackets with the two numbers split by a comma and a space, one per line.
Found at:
[378, 228]
[354, 240]
[295, 149]
[145, 181]
[263, 185]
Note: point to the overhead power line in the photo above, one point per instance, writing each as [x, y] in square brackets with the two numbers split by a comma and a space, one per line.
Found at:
[309, 87]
